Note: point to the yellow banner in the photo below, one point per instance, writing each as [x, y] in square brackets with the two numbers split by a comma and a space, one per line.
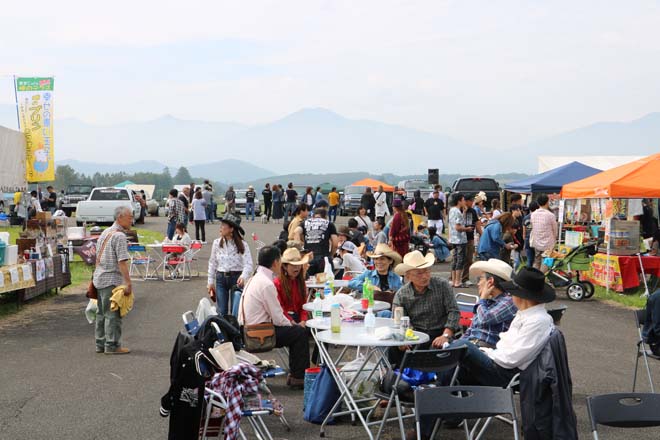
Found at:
[35, 115]
[602, 274]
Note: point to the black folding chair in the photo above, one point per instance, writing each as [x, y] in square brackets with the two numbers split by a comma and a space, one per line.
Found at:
[642, 351]
[463, 402]
[428, 361]
[624, 410]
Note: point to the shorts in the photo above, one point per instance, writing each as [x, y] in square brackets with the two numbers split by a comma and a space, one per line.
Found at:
[458, 256]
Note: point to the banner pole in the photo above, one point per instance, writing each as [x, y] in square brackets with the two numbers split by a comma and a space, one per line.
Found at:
[18, 117]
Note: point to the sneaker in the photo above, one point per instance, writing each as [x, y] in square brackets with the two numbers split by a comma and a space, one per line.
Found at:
[295, 383]
[100, 350]
[120, 350]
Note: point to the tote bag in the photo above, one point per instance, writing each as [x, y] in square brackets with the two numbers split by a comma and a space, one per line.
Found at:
[325, 392]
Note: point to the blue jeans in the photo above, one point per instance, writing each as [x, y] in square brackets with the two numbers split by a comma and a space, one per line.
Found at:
[223, 285]
[209, 212]
[531, 253]
[249, 210]
[478, 369]
[289, 207]
[485, 256]
[332, 213]
[171, 228]
[235, 301]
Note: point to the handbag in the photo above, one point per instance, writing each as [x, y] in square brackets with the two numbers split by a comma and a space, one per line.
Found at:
[257, 338]
[92, 293]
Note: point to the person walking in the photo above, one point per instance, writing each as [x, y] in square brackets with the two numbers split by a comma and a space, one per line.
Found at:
[291, 199]
[176, 213]
[333, 203]
[457, 237]
[199, 216]
[399, 233]
[230, 263]
[278, 203]
[381, 209]
[230, 200]
[369, 202]
[267, 196]
[112, 271]
[250, 196]
[544, 230]
[318, 196]
[527, 231]
[207, 194]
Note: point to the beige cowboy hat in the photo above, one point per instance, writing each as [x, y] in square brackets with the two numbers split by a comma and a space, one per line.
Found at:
[494, 267]
[383, 250]
[480, 197]
[414, 260]
[292, 256]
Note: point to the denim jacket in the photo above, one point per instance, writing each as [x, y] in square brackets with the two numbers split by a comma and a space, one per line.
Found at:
[393, 280]
[491, 240]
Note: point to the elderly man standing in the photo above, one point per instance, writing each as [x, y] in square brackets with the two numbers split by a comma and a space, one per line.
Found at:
[112, 271]
[544, 230]
[428, 301]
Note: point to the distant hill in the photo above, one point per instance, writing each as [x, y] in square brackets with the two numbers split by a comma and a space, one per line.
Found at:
[89, 168]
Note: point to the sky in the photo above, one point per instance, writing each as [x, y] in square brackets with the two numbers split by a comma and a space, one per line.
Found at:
[496, 74]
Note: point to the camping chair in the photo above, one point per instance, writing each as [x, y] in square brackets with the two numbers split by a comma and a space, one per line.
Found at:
[139, 262]
[191, 257]
[642, 351]
[428, 361]
[514, 386]
[174, 263]
[466, 303]
[463, 402]
[623, 410]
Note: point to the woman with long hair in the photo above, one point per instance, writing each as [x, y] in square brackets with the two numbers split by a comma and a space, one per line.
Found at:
[399, 236]
[278, 203]
[491, 242]
[198, 209]
[290, 285]
[363, 219]
[230, 263]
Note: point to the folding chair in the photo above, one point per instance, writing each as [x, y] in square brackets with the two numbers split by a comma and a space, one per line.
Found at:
[174, 263]
[640, 319]
[623, 410]
[139, 262]
[191, 257]
[429, 361]
[463, 402]
[513, 385]
[466, 303]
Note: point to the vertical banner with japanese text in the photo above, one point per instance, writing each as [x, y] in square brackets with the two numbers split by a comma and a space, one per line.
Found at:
[34, 98]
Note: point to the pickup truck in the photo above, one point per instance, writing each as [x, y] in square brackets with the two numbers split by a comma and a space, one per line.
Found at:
[101, 203]
[474, 185]
[411, 185]
[74, 194]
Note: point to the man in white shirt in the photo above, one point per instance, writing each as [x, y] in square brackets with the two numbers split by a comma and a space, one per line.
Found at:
[259, 304]
[351, 261]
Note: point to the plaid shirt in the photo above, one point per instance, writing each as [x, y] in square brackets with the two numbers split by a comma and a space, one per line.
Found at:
[176, 210]
[544, 229]
[491, 317]
[107, 271]
[240, 380]
[433, 309]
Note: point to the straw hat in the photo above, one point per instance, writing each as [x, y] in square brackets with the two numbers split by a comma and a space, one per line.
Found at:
[292, 256]
[414, 260]
[383, 250]
[494, 267]
[480, 197]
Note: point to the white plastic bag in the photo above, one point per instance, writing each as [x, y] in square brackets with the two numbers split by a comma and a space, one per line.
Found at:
[205, 309]
[367, 379]
[90, 311]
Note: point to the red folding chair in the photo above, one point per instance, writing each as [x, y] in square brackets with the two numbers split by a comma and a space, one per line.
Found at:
[191, 257]
[466, 303]
[174, 264]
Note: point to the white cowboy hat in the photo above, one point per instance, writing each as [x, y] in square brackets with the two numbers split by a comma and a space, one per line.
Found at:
[383, 250]
[480, 197]
[292, 256]
[414, 260]
[494, 267]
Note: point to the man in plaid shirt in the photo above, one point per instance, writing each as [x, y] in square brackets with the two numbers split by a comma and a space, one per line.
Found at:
[495, 310]
[176, 213]
[544, 230]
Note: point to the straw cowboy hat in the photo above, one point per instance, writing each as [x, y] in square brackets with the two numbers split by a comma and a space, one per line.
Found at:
[480, 197]
[530, 283]
[414, 260]
[250, 187]
[234, 221]
[292, 256]
[494, 267]
[383, 250]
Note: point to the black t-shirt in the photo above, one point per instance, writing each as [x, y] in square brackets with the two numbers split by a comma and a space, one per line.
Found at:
[267, 195]
[317, 232]
[384, 284]
[52, 199]
[249, 196]
[184, 200]
[471, 219]
[434, 207]
[291, 195]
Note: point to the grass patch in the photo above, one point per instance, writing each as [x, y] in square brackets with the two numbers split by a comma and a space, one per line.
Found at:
[631, 298]
[147, 236]
[14, 232]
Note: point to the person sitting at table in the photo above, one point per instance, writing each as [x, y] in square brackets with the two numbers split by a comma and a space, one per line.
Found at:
[350, 261]
[383, 278]
[259, 304]
[181, 236]
[428, 301]
[290, 285]
[495, 310]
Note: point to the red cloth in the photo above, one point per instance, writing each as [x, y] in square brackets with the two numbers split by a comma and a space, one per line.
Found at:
[630, 269]
[295, 304]
[400, 235]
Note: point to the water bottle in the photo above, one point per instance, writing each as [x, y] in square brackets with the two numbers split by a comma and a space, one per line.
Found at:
[327, 270]
[317, 306]
[70, 251]
[327, 291]
[335, 319]
[370, 321]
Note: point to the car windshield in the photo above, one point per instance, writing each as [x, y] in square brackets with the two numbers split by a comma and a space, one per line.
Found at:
[86, 189]
[355, 189]
[240, 194]
[417, 185]
[110, 194]
[477, 185]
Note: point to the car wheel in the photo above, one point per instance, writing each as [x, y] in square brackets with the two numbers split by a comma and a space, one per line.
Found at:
[575, 291]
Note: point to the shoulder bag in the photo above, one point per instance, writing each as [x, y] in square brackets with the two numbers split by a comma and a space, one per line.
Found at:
[92, 293]
[258, 338]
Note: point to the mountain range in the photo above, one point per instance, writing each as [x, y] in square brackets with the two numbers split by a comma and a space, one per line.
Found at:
[317, 140]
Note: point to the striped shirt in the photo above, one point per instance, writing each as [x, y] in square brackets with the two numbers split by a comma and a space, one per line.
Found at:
[491, 317]
[107, 271]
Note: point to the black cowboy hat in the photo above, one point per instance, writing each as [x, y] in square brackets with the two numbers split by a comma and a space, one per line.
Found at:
[529, 283]
[234, 221]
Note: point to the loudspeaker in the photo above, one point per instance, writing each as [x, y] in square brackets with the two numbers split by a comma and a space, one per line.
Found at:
[434, 176]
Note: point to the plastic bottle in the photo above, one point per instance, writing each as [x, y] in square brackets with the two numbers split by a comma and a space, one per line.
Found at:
[335, 319]
[370, 320]
[318, 306]
[331, 284]
[370, 291]
[365, 288]
[70, 251]
[327, 270]
[327, 291]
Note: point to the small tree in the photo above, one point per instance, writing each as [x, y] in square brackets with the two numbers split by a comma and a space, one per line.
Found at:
[182, 177]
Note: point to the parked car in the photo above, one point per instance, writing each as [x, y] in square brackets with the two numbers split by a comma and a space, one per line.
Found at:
[152, 207]
[240, 202]
[474, 185]
[412, 185]
[74, 194]
[351, 201]
[101, 204]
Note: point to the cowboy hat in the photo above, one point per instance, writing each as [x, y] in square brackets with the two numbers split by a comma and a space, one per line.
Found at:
[530, 283]
[383, 250]
[292, 256]
[250, 187]
[414, 260]
[494, 267]
[480, 197]
[234, 221]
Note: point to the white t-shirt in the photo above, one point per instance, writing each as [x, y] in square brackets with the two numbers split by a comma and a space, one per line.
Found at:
[353, 263]
[364, 221]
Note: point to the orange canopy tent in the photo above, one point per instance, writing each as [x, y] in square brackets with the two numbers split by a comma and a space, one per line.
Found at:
[634, 180]
[374, 184]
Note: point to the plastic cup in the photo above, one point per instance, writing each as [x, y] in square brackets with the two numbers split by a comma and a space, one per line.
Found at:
[365, 303]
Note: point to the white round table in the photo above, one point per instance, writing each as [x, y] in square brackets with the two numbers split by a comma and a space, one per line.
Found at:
[324, 323]
[357, 306]
[315, 285]
[357, 336]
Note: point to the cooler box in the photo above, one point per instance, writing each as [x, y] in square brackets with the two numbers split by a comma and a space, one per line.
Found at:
[11, 255]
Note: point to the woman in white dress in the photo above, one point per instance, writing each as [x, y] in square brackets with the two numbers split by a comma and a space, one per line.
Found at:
[381, 203]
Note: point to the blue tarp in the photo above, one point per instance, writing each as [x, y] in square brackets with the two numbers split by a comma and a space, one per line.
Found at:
[551, 181]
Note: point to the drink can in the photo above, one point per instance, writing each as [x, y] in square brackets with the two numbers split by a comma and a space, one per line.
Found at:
[398, 314]
[365, 303]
